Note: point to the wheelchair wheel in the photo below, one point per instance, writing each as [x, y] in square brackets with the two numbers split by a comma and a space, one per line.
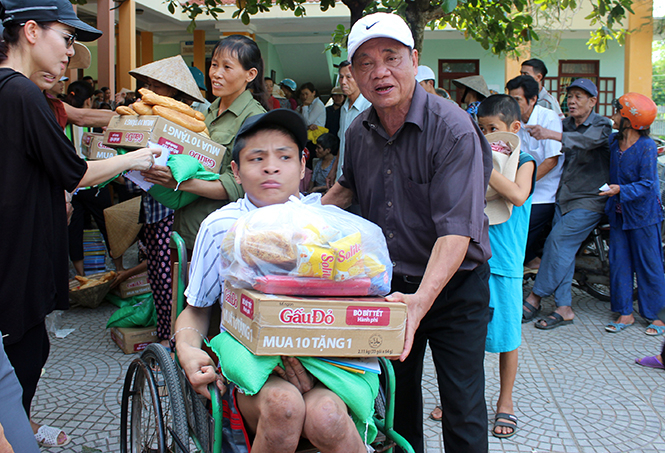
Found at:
[141, 425]
[171, 400]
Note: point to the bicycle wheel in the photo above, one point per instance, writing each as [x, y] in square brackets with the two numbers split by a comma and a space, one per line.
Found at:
[141, 425]
[170, 397]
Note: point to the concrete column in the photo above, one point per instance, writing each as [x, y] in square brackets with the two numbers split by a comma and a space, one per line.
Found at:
[106, 45]
[146, 48]
[514, 65]
[200, 50]
[126, 44]
[637, 51]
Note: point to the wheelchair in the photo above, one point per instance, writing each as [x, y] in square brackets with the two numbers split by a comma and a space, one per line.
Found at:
[161, 412]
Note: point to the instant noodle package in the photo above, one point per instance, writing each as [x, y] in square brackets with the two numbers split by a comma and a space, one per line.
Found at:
[308, 249]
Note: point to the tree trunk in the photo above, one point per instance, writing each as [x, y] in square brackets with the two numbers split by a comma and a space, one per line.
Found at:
[418, 14]
[356, 7]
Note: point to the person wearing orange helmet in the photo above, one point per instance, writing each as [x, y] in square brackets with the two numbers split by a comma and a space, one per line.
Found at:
[635, 214]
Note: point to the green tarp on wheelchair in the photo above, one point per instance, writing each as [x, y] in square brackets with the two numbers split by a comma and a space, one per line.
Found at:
[249, 372]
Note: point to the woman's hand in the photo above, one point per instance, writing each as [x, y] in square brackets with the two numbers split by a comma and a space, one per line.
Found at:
[296, 374]
[312, 127]
[142, 159]
[161, 175]
[613, 190]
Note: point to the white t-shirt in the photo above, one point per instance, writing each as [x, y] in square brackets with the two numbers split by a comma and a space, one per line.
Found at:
[205, 282]
[547, 186]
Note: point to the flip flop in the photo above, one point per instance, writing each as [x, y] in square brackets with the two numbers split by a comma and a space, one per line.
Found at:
[650, 362]
[615, 327]
[660, 330]
[436, 419]
[529, 312]
[498, 423]
[552, 321]
[47, 436]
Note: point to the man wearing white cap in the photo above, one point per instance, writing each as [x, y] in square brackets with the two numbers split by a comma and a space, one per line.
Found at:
[426, 78]
[419, 169]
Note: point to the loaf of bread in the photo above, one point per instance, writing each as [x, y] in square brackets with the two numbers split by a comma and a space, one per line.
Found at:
[180, 119]
[272, 247]
[141, 108]
[124, 110]
[152, 98]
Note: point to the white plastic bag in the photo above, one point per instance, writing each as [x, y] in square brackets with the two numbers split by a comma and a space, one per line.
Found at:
[304, 248]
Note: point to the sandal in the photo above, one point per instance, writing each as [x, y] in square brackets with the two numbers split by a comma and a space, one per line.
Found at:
[433, 417]
[650, 362]
[498, 424]
[660, 330]
[552, 321]
[529, 312]
[615, 327]
[47, 436]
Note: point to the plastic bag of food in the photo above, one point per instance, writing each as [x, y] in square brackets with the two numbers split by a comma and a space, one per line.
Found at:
[304, 248]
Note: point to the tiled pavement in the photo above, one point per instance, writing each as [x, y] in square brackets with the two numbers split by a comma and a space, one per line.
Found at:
[578, 388]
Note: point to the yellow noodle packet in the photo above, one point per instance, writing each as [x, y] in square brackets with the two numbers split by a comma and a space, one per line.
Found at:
[348, 257]
[315, 261]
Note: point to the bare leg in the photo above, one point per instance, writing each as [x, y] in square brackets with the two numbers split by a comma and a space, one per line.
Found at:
[5, 447]
[276, 415]
[507, 373]
[328, 425]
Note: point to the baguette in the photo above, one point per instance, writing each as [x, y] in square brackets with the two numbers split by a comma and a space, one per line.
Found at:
[152, 98]
[141, 108]
[124, 110]
[179, 118]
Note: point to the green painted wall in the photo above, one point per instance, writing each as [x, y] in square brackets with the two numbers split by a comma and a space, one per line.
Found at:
[271, 60]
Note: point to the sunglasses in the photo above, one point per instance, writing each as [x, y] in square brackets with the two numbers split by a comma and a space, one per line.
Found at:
[69, 38]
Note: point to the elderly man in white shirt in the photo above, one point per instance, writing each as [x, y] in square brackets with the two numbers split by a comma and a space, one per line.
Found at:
[537, 69]
[355, 103]
[548, 155]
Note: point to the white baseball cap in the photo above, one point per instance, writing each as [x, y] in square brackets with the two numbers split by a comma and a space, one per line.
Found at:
[378, 25]
[424, 73]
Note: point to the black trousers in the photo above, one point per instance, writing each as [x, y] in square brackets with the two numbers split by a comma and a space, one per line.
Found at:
[87, 200]
[28, 356]
[456, 327]
[541, 215]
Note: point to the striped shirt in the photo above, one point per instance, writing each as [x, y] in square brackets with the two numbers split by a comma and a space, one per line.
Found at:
[205, 282]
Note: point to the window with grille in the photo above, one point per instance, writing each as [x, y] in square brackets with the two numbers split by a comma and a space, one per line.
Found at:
[456, 69]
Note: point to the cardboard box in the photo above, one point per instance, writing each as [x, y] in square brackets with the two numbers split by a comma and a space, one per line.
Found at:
[133, 286]
[134, 339]
[134, 132]
[312, 326]
[93, 147]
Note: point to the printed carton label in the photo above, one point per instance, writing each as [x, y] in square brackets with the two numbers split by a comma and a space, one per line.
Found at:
[364, 316]
[247, 306]
[173, 147]
[134, 137]
[314, 317]
[115, 137]
[230, 298]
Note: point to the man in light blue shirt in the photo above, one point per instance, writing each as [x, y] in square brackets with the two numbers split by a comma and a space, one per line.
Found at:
[355, 103]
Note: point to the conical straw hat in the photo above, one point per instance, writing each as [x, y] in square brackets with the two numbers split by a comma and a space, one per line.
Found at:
[476, 83]
[172, 71]
[122, 225]
[82, 57]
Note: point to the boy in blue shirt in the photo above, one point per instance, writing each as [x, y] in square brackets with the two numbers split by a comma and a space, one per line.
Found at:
[501, 113]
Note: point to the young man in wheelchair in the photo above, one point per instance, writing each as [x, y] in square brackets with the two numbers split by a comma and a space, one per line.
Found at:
[268, 161]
